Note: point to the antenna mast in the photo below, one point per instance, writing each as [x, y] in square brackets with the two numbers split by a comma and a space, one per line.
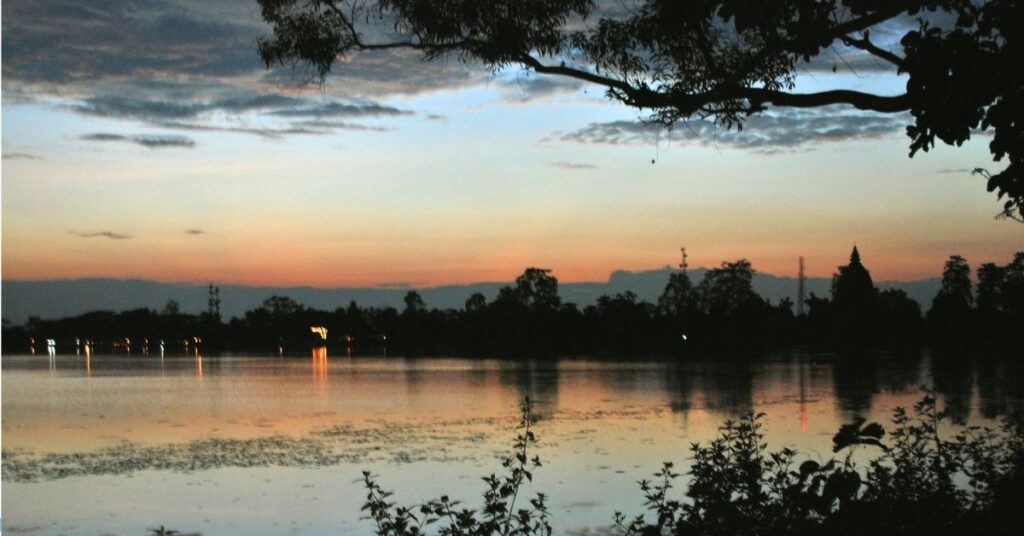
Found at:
[683, 265]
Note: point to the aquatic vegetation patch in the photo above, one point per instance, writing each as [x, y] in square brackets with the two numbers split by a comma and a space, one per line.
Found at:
[454, 440]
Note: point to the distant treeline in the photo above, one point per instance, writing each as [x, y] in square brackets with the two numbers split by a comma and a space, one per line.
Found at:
[722, 311]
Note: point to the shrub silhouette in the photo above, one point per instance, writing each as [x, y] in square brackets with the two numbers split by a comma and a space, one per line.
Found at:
[916, 482]
[498, 515]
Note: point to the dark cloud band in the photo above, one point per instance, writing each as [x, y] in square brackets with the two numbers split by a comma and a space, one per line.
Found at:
[101, 234]
[148, 141]
[773, 131]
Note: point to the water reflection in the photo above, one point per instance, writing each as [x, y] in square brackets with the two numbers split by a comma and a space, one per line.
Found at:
[679, 384]
[803, 391]
[812, 392]
[954, 380]
[604, 425]
[856, 383]
[319, 367]
[538, 380]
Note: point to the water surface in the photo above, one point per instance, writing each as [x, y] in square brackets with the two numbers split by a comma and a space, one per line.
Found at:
[113, 444]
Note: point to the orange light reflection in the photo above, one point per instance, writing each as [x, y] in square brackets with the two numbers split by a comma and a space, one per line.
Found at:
[320, 366]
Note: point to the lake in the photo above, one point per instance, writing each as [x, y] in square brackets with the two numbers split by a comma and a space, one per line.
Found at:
[116, 444]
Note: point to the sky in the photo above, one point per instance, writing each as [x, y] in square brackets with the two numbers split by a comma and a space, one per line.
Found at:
[145, 139]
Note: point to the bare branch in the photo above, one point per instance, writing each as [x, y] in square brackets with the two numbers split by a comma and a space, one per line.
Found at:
[866, 45]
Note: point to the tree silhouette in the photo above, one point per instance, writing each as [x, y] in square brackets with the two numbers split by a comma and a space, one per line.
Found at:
[950, 314]
[280, 306]
[476, 302]
[538, 289]
[1013, 288]
[413, 303]
[723, 59]
[172, 308]
[727, 290]
[726, 314]
[679, 297]
[990, 283]
[897, 319]
[956, 281]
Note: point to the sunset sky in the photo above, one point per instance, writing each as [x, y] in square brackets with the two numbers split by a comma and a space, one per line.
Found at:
[146, 140]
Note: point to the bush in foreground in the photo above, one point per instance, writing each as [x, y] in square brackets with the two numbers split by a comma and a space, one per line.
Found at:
[916, 482]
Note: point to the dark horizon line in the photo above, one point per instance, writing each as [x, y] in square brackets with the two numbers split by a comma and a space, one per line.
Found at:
[402, 286]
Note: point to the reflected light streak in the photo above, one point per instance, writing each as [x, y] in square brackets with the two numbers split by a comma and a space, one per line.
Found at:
[803, 396]
[319, 366]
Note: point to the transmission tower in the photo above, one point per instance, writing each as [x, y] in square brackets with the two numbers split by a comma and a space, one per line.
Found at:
[800, 290]
[683, 265]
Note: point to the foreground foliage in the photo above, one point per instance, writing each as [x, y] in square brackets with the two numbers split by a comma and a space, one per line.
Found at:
[918, 480]
[498, 515]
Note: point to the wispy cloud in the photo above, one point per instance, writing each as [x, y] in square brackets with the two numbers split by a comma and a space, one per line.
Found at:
[573, 165]
[21, 156]
[340, 125]
[769, 132]
[118, 106]
[337, 109]
[301, 116]
[266, 132]
[101, 234]
[533, 86]
[148, 141]
[194, 232]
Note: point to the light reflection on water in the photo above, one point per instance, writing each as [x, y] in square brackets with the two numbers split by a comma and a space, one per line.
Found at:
[271, 445]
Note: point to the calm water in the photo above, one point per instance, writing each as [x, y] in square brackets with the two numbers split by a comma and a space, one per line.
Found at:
[270, 445]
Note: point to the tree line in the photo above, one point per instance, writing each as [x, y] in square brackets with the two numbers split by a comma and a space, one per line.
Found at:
[529, 318]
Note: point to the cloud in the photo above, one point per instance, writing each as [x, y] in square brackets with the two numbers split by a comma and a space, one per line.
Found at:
[101, 234]
[148, 141]
[118, 106]
[436, 117]
[302, 116]
[21, 156]
[768, 132]
[337, 109]
[67, 47]
[193, 65]
[194, 232]
[62, 41]
[341, 125]
[573, 165]
[956, 171]
[266, 132]
[533, 86]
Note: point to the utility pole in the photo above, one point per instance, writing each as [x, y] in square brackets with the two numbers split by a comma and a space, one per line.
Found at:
[213, 302]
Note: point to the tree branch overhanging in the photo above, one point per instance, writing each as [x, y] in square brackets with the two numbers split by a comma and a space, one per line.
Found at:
[865, 44]
[675, 58]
